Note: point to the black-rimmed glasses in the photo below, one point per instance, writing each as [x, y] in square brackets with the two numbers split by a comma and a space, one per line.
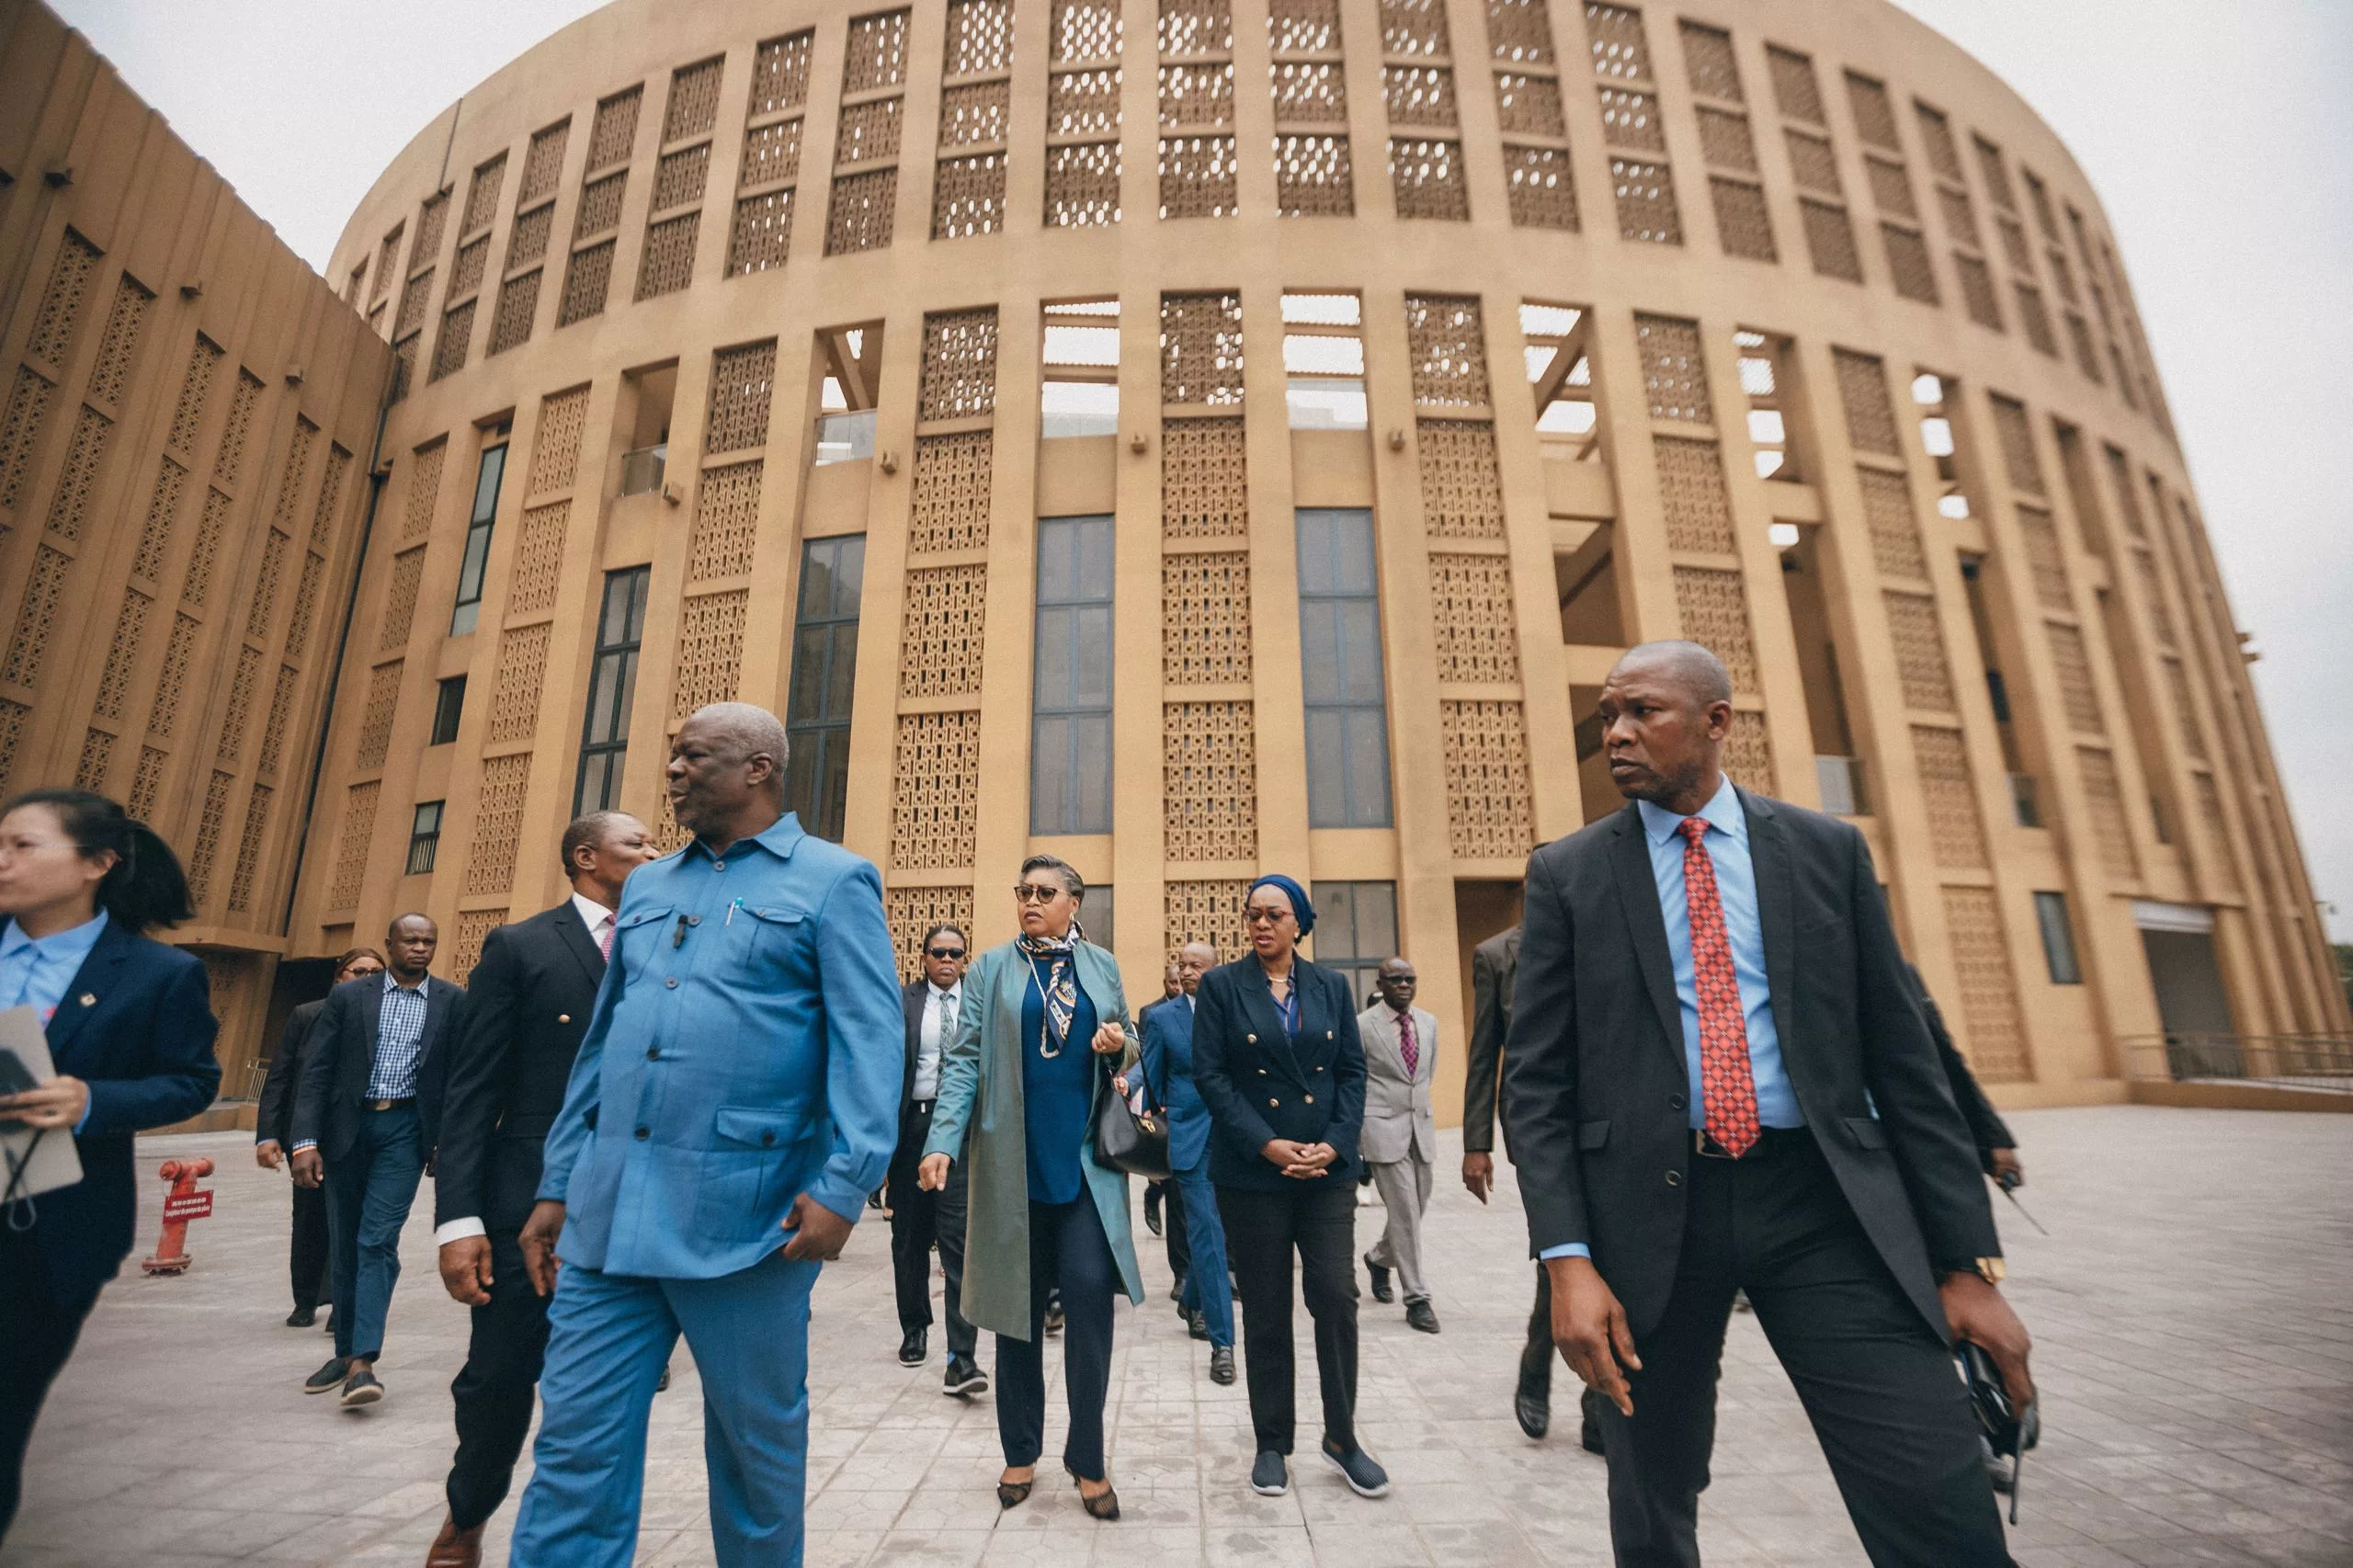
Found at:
[944, 952]
[1035, 892]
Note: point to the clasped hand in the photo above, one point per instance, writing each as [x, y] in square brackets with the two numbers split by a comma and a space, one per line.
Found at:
[1300, 1162]
[55, 1105]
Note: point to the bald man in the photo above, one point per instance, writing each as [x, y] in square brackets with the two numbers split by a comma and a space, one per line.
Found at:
[1717, 1079]
[735, 1098]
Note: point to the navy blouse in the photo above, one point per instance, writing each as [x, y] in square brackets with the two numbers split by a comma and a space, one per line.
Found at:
[1057, 1094]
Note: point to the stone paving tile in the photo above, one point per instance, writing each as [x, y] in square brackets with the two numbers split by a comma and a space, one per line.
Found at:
[2192, 1310]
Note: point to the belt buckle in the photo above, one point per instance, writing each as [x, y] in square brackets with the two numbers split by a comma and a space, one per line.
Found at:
[1706, 1147]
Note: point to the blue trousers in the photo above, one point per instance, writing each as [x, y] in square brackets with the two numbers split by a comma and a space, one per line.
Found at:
[369, 1193]
[1209, 1290]
[610, 1336]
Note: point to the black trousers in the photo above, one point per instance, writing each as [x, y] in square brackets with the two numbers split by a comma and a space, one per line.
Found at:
[1067, 1247]
[1536, 1355]
[307, 1255]
[493, 1392]
[920, 1220]
[36, 1335]
[1318, 1220]
[1172, 1228]
[1876, 1382]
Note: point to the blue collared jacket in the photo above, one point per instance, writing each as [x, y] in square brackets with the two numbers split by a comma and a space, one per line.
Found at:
[746, 1047]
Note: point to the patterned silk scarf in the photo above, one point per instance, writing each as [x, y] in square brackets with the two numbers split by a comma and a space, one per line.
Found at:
[1061, 987]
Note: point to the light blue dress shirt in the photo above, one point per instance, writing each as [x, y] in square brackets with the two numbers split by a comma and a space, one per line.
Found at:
[1727, 844]
[36, 972]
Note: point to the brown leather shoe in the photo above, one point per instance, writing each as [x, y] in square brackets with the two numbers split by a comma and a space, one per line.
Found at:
[454, 1548]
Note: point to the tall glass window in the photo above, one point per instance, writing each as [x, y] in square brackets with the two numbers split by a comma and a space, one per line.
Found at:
[2058, 938]
[1070, 739]
[1355, 927]
[613, 687]
[477, 561]
[424, 839]
[825, 677]
[1340, 626]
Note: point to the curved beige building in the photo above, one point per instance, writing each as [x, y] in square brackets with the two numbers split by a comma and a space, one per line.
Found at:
[1239, 434]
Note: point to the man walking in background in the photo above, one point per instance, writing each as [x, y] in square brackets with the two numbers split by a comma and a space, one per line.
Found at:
[932, 1004]
[526, 1011]
[1400, 1139]
[733, 1103]
[364, 1118]
[274, 1130]
[1205, 1298]
[1155, 1193]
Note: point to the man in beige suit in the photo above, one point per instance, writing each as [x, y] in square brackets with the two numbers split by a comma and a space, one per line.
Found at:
[1400, 1137]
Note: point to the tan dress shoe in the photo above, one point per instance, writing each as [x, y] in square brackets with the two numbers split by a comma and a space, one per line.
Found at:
[454, 1548]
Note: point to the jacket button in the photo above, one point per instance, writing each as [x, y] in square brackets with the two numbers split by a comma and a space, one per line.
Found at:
[563, 1018]
[767, 1139]
[1252, 1038]
[1262, 1071]
[1311, 1099]
[643, 1133]
[1273, 1103]
[1319, 1067]
[672, 982]
[653, 1053]
[1674, 1179]
[1675, 1102]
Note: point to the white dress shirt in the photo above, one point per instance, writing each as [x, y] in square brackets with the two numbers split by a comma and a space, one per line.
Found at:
[930, 1037]
[600, 921]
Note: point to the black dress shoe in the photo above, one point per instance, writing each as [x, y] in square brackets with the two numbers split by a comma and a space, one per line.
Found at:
[328, 1377]
[1152, 1201]
[964, 1377]
[1589, 1430]
[301, 1317]
[1380, 1292]
[1054, 1318]
[915, 1347]
[363, 1387]
[1197, 1324]
[1176, 1290]
[1534, 1408]
[1222, 1365]
[1420, 1315]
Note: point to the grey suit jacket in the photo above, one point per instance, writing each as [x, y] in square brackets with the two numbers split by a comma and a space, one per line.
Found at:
[1495, 969]
[1398, 1122]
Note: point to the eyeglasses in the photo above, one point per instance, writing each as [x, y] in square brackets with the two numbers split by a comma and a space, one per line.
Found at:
[1256, 916]
[944, 952]
[1035, 892]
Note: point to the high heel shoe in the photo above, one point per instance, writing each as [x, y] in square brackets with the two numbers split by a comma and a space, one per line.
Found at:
[1013, 1493]
[1103, 1505]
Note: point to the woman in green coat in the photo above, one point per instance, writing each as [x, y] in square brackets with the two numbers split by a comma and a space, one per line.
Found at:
[1045, 1028]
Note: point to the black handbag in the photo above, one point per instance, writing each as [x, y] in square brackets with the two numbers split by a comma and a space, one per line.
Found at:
[1131, 1131]
[2007, 1431]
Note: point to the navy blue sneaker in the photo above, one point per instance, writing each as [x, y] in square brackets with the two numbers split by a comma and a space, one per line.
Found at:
[1365, 1478]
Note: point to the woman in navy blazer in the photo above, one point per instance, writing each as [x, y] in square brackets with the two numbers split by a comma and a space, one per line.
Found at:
[1278, 1061]
[130, 1032]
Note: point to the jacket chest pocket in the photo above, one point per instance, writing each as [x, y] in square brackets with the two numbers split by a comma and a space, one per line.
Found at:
[637, 936]
[765, 933]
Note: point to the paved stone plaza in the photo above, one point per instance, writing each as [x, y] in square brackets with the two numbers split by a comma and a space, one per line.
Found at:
[2193, 1311]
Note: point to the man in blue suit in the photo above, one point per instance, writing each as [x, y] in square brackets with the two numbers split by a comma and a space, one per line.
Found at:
[733, 1102]
[1208, 1300]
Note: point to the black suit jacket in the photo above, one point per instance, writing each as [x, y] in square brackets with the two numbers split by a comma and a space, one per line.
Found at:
[1594, 1071]
[136, 1024]
[1495, 964]
[274, 1118]
[527, 1008]
[1987, 1127]
[1259, 1088]
[341, 1051]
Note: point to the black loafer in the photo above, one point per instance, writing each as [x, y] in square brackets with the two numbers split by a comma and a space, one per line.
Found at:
[1363, 1473]
[1380, 1292]
[328, 1377]
[915, 1347]
[1222, 1365]
[301, 1317]
[1534, 1409]
[1270, 1477]
[1421, 1315]
[964, 1377]
[363, 1387]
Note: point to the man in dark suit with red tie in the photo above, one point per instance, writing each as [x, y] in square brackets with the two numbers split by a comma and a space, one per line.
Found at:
[526, 1010]
[1718, 1079]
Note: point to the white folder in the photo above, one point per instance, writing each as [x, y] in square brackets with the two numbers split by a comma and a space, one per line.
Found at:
[33, 1163]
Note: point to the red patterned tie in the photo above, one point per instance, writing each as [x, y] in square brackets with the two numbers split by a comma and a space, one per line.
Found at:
[604, 942]
[1407, 1046]
[1727, 1090]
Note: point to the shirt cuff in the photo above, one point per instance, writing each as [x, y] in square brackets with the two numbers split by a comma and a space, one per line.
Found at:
[86, 1109]
[302, 1143]
[459, 1230]
[1566, 1249]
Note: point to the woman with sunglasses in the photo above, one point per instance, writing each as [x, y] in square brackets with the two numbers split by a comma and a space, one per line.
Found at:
[129, 1027]
[274, 1130]
[1278, 1061]
[1043, 1029]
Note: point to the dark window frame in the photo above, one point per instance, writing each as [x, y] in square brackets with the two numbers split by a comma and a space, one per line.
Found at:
[1340, 920]
[1339, 607]
[1069, 726]
[612, 690]
[2060, 957]
[473, 569]
[424, 837]
[449, 709]
[824, 682]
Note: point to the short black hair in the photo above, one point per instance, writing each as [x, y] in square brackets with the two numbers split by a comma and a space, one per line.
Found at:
[962, 935]
[1695, 666]
[393, 926]
[145, 887]
[1073, 883]
[585, 832]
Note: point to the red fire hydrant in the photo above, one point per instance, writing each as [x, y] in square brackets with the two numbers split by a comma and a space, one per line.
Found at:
[183, 1203]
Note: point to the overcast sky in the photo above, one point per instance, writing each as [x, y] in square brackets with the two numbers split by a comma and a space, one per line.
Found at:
[2219, 134]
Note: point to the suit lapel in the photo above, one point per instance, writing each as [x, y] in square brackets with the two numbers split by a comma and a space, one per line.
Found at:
[1629, 858]
[95, 978]
[579, 943]
[1768, 854]
[1268, 1019]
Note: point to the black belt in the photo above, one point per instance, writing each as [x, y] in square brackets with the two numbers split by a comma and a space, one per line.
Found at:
[388, 1105]
[1771, 1142]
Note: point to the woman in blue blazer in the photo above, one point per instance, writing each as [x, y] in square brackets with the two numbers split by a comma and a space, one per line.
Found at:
[130, 1032]
[1276, 1060]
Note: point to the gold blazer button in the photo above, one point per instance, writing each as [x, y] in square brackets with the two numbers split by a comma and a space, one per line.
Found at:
[563, 1018]
[1272, 1103]
[1251, 1038]
[89, 998]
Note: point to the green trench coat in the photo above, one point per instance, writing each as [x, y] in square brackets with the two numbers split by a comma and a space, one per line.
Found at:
[979, 1089]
